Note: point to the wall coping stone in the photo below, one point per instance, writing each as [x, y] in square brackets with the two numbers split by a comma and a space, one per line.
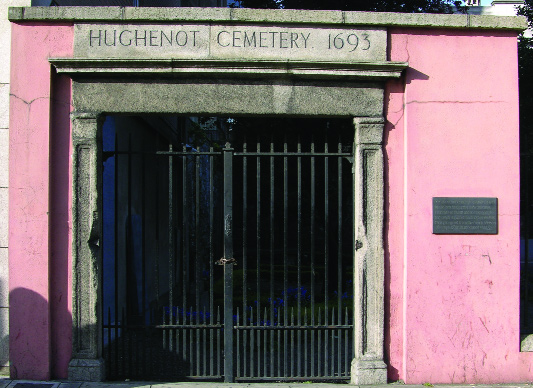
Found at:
[264, 16]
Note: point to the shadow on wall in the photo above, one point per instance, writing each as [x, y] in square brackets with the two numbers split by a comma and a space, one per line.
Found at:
[32, 347]
[28, 333]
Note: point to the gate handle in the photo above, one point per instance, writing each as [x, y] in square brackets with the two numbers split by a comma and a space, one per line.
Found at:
[224, 261]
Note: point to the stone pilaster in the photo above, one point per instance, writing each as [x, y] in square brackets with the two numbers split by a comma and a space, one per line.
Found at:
[86, 363]
[368, 366]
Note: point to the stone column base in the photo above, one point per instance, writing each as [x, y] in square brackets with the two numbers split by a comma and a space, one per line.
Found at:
[86, 369]
[368, 372]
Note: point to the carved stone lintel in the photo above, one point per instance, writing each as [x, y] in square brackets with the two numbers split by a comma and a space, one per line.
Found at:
[86, 363]
[368, 366]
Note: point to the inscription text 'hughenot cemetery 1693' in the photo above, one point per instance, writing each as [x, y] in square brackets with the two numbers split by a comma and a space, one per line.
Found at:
[231, 41]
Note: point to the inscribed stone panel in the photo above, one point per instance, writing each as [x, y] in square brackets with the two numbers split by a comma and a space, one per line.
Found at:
[246, 42]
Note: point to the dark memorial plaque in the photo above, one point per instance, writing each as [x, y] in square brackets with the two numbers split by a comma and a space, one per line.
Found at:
[463, 215]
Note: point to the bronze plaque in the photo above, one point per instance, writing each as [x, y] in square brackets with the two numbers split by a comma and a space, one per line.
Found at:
[465, 215]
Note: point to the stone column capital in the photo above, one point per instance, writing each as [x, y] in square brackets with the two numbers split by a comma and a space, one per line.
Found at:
[369, 130]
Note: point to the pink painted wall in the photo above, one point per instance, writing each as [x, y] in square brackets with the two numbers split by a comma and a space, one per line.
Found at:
[453, 302]
[38, 204]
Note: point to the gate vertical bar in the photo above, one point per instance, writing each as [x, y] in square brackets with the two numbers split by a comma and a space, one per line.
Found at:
[170, 243]
[228, 268]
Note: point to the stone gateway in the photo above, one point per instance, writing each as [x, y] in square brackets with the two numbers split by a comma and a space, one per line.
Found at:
[248, 195]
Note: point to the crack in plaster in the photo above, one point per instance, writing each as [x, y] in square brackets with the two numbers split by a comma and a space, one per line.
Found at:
[26, 102]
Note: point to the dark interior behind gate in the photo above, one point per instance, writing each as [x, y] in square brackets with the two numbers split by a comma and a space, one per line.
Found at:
[292, 232]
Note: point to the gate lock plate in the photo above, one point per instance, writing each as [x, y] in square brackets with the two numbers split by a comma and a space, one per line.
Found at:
[224, 261]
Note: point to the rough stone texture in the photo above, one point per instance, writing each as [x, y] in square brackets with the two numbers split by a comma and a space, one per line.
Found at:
[217, 69]
[163, 14]
[4, 339]
[86, 363]
[526, 343]
[368, 366]
[119, 14]
[4, 288]
[4, 156]
[3, 217]
[4, 105]
[368, 372]
[188, 97]
[226, 41]
[86, 370]
[287, 16]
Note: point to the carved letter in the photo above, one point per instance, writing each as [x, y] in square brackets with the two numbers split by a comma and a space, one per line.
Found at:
[294, 38]
[184, 40]
[261, 39]
[120, 38]
[138, 38]
[114, 43]
[273, 33]
[250, 40]
[167, 38]
[282, 39]
[91, 37]
[305, 39]
[153, 38]
[236, 39]
[194, 37]
[218, 39]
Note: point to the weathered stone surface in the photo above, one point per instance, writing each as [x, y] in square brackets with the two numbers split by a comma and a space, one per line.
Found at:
[86, 364]
[368, 366]
[407, 19]
[163, 14]
[86, 370]
[526, 343]
[225, 41]
[287, 16]
[3, 216]
[365, 372]
[218, 69]
[135, 15]
[4, 156]
[4, 338]
[203, 97]
[4, 105]
[4, 287]
[141, 41]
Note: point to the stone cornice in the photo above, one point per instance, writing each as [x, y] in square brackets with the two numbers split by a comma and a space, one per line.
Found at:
[229, 68]
[263, 16]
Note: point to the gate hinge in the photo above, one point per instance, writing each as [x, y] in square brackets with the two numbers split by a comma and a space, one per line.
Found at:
[224, 261]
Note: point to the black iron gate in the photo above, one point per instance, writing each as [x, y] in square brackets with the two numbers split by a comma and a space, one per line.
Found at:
[230, 257]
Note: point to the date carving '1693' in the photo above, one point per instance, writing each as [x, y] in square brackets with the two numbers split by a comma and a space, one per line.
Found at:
[348, 41]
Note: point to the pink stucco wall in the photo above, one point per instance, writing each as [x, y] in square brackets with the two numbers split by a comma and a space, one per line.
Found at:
[39, 272]
[453, 305]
